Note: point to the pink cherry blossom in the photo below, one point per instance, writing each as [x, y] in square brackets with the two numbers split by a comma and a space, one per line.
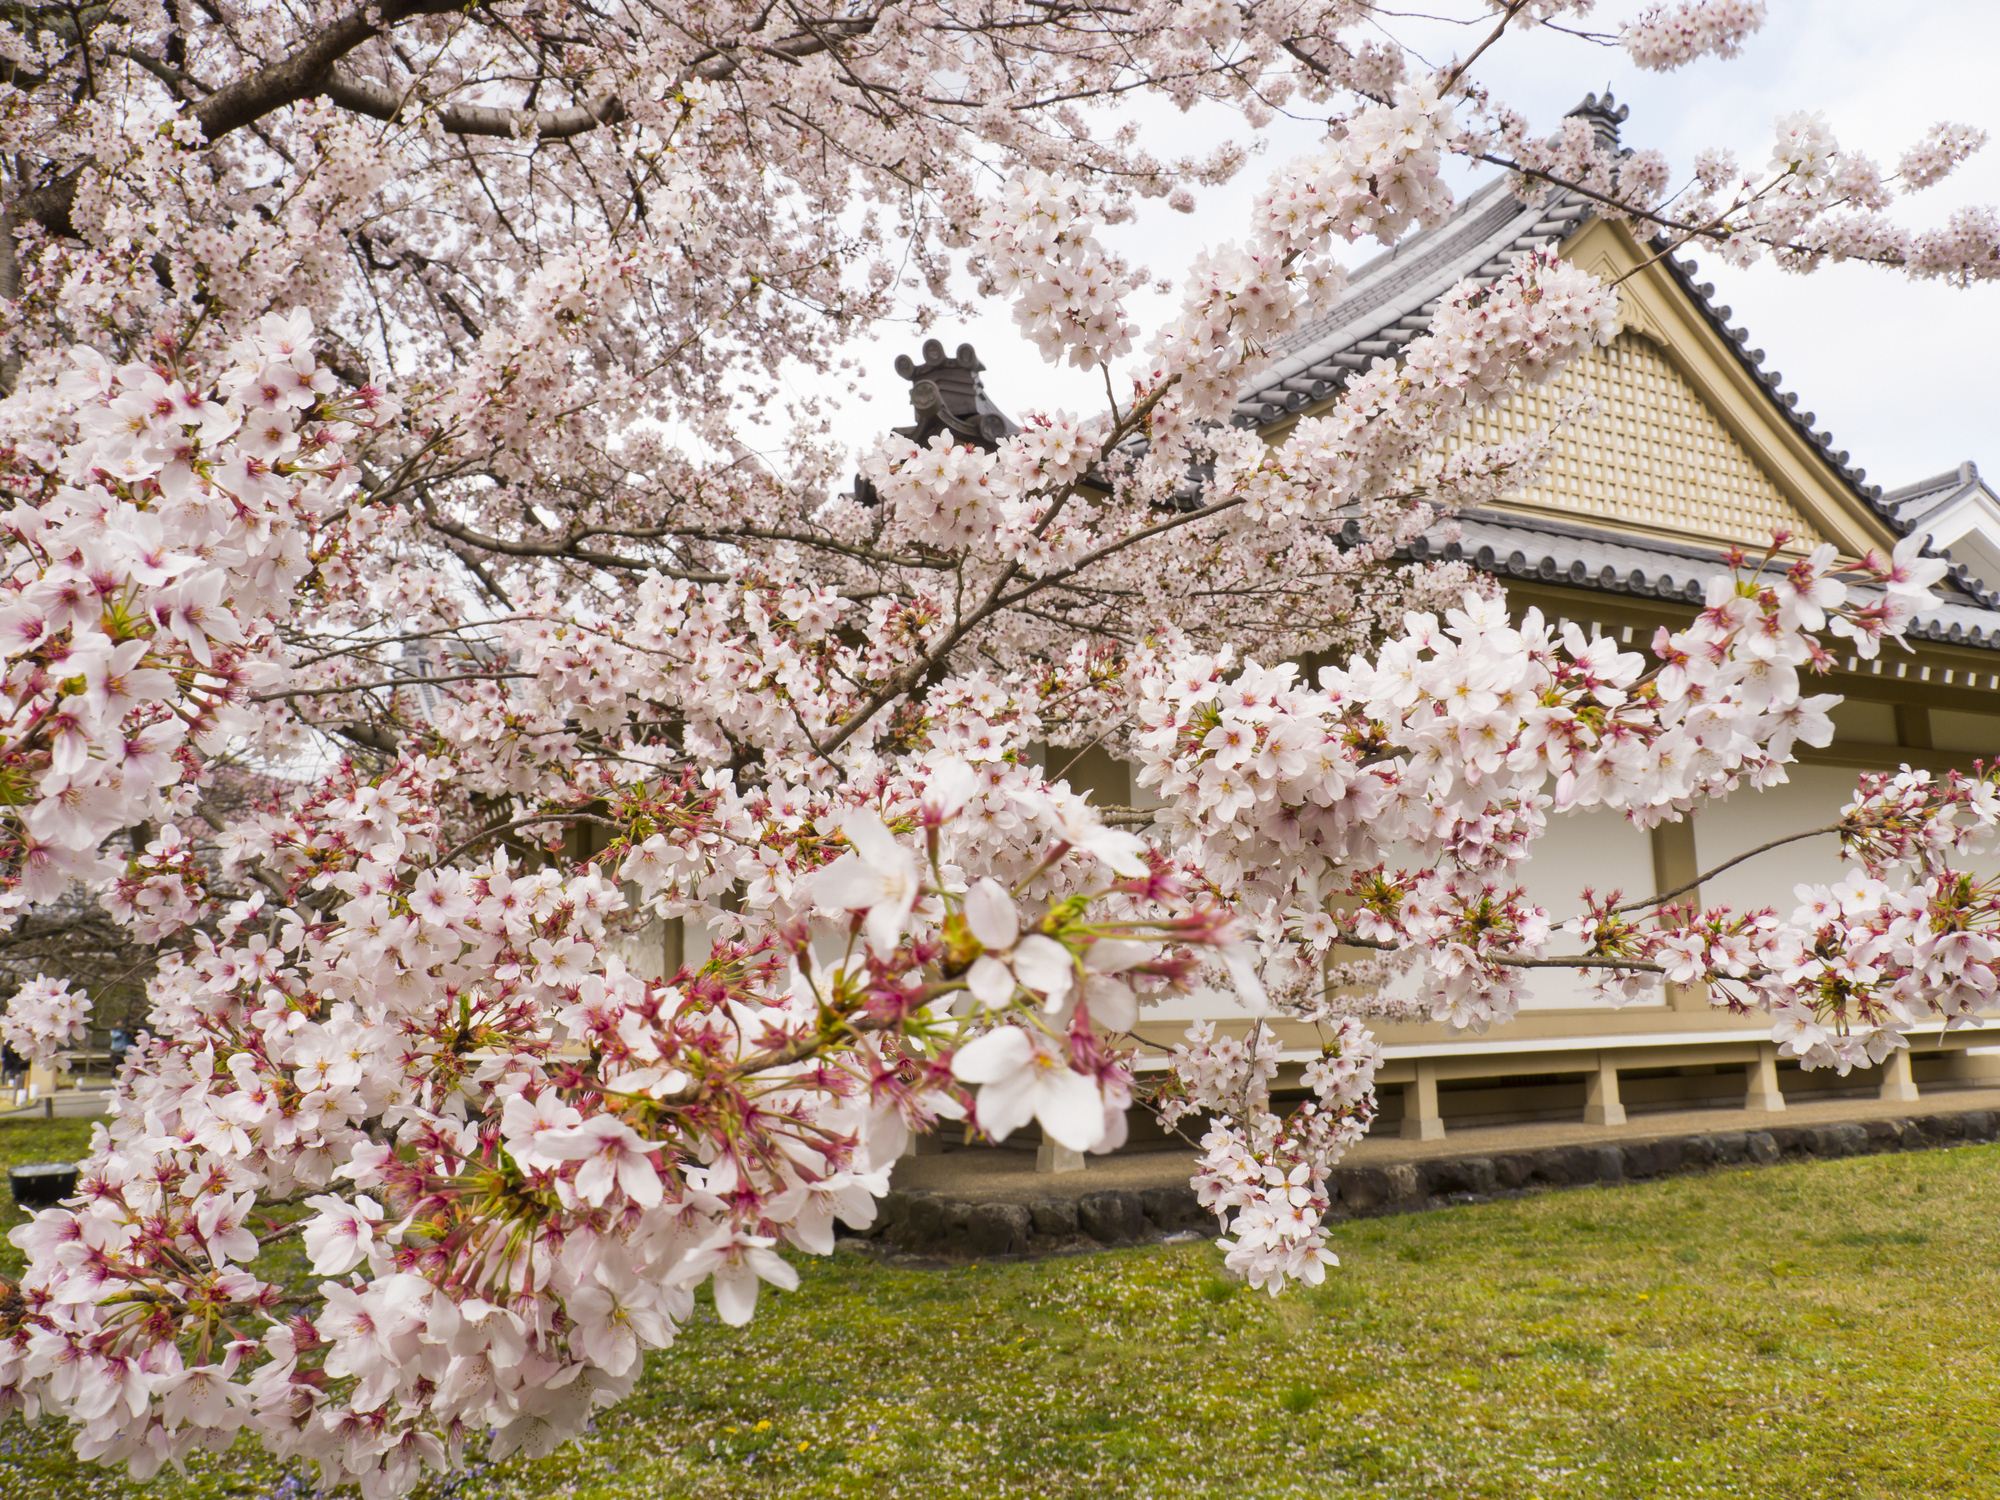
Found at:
[1021, 1077]
[570, 840]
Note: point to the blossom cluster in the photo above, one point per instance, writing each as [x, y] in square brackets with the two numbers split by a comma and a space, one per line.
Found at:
[1039, 247]
[570, 849]
[155, 530]
[1818, 201]
[1485, 342]
[1262, 1173]
[517, 1159]
[1380, 175]
[1911, 935]
[1447, 752]
[44, 1020]
[1673, 33]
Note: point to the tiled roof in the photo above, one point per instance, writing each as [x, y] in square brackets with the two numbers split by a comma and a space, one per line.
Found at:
[1927, 497]
[1915, 504]
[1512, 546]
[1390, 300]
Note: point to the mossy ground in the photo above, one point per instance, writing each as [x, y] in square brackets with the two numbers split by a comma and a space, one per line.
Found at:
[1819, 1329]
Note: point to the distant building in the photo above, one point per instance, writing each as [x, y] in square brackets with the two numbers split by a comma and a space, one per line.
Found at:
[1958, 516]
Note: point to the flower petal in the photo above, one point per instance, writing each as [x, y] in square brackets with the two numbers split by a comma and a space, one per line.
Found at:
[951, 786]
[1124, 852]
[990, 981]
[1070, 1108]
[1045, 966]
[870, 838]
[1113, 1006]
[1008, 1103]
[989, 912]
[985, 1059]
[735, 1293]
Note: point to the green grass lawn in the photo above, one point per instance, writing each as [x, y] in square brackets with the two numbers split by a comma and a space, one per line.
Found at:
[1820, 1329]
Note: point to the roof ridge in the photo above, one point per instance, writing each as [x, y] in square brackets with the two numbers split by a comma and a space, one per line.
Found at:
[1965, 473]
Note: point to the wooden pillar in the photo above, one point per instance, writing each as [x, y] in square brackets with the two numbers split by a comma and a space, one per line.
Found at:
[1899, 1083]
[1601, 1104]
[1421, 1120]
[1761, 1093]
[1913, 726]
[1675, 863]
[1052, 1158]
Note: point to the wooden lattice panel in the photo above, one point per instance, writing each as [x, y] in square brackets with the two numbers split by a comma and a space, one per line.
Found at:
[1653, 455]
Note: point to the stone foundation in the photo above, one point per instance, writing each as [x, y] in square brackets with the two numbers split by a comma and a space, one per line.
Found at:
[956, 1227]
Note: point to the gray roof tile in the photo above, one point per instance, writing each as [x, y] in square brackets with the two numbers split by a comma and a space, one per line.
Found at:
[1511, 546]
[1389, 299]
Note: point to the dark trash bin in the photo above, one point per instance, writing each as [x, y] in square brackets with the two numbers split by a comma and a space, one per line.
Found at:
[42, 1184]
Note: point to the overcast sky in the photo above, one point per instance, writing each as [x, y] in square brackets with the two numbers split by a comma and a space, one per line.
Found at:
[1901, 372]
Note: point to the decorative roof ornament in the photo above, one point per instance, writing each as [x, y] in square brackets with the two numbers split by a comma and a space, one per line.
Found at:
[947, 396]
[1604, 115]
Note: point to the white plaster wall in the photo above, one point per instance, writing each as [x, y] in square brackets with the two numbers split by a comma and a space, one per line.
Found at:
[1603, 851]
[1813, 796]
[1599, 851]
[1595, 850]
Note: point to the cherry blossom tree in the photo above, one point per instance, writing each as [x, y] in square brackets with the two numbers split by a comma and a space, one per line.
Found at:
[398, 628]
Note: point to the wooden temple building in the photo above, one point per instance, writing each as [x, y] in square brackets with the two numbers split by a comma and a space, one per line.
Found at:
[1695, 446]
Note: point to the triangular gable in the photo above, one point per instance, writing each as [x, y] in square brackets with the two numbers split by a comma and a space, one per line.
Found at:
[1958, 514]
[1689, 444]
[1651, 457]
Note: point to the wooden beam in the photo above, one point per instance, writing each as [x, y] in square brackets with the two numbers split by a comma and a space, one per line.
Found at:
[1675, 863]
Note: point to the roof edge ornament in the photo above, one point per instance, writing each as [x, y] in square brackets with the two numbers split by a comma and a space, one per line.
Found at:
[1604, 116]
[947, 396]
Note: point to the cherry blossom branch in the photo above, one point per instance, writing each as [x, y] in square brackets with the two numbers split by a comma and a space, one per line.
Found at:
[1729, 864]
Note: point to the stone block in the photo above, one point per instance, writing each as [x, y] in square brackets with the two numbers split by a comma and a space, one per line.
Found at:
[930, 1223]
[1473, 1175]
[997, 1229]
[1113, 1216]
[1794, 1140]
[1731, 1146]
[1941, 1130]
[1406, 1185]
[1359, 1190]
[1053, 1217]
[1887, 1135]
[1566, 1166]
[1653, 1158]
[1174, 1208]
[1607, 1164]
